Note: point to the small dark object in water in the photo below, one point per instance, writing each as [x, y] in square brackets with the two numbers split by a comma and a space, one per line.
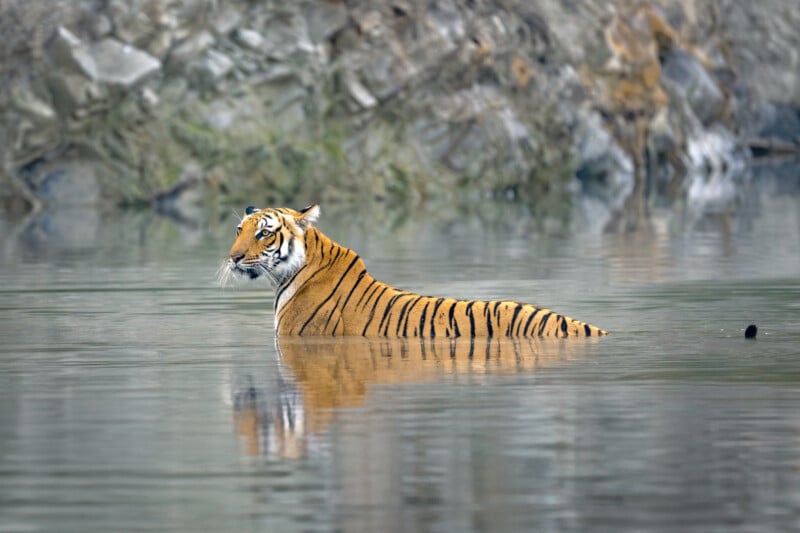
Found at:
[750, 332]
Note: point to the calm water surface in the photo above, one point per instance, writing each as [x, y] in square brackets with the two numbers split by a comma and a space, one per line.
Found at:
[136, 394]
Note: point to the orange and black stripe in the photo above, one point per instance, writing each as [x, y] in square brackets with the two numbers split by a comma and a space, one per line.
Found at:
[334, 294]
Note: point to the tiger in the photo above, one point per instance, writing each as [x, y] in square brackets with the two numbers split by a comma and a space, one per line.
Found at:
[323, 288]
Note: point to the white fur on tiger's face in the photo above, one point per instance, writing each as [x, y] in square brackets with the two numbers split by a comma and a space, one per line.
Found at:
[269, 243]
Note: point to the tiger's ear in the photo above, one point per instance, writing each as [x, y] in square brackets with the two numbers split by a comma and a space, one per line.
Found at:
[308, 216]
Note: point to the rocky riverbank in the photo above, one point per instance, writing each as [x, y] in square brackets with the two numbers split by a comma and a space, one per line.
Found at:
[164, 102]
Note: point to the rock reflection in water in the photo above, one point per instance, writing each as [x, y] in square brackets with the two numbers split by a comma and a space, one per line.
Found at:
[282, 418]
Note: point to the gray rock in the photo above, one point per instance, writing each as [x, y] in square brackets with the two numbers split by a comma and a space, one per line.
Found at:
[764, 45]
[186, 51]
[64, 182]
[27, 103]
[289, 111]
[662, 138]
[67, 51]
[221, 114]
[71, 92]
[160, 44]
[121, 65]
[250, 39]
[106, 61]
[359, 93]
[781, 122]
[286, 35]
[149, 100]
[208, 71]
[687, 77]
[604, 168]
[33, 138]
[277, 72]
[131, 20]
[100, 26]
[325, 19]
[384, 74]
[226, 21]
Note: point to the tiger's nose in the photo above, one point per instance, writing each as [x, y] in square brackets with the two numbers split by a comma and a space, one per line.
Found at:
[236, 258]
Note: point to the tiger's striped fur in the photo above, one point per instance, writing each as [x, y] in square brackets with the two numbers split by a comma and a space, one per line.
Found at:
[324, 288]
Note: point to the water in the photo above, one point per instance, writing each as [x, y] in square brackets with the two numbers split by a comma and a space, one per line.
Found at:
[136, 395]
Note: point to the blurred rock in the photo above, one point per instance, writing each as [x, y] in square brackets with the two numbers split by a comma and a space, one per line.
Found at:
[359, 93]
[692, 83]
[227, 20]
[73, 92]
[27, 103]
[67, 50]
[781, 122]
[187, 50]
[100, 26]
[605, 169]
[249, 39]
[121, 65]
[285, 34]
[763, 43]
[208, 71]
[64, 182]
[131, 23]
[106, 61]
[325, 19]
[149, 100]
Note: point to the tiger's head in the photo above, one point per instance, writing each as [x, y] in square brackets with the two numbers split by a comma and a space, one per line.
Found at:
[270, 242]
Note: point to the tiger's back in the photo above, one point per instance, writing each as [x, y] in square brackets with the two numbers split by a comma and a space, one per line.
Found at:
[330, 292]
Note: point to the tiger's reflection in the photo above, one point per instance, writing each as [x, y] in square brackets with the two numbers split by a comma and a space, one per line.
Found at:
[285, 419]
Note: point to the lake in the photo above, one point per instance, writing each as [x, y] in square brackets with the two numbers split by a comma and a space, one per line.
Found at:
[138, 395]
